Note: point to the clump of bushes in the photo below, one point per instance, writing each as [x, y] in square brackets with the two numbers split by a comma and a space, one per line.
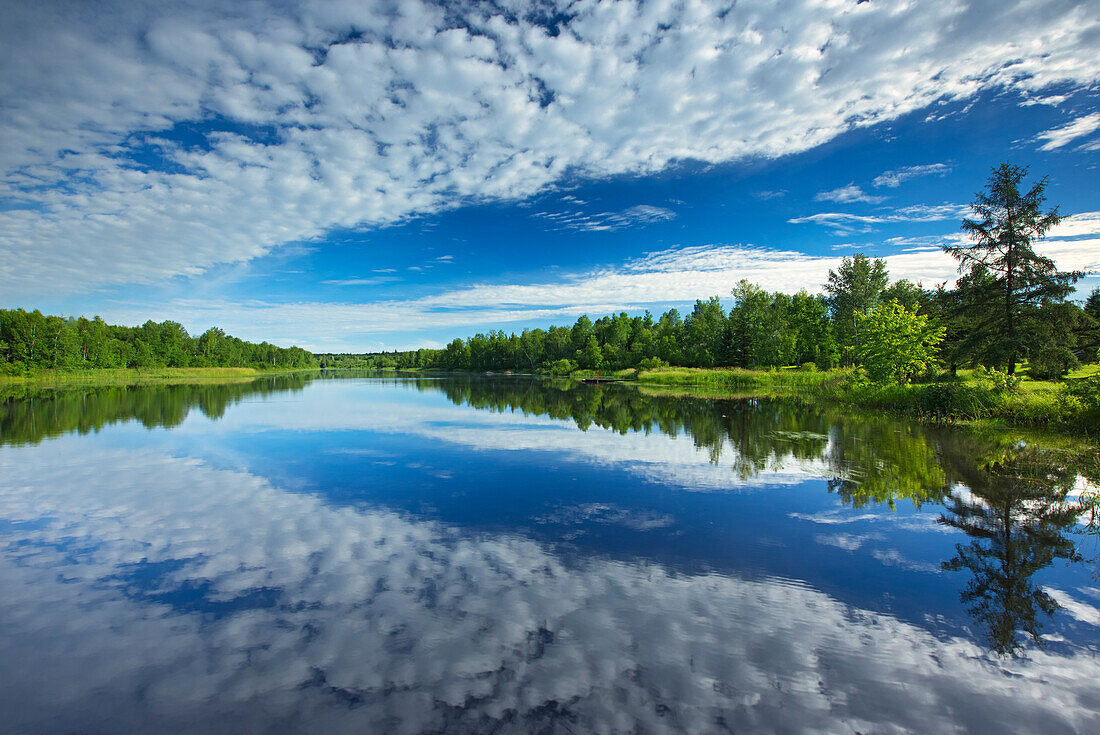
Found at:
[1083, 395]
[999, 381]
[651, 363]
[1052, 362]
[560, 367]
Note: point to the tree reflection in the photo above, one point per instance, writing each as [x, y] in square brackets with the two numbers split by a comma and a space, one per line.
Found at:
[1016, 513]
[869, 460]
[30, 418]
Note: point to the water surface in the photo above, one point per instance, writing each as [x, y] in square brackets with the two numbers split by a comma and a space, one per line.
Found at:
[332, 554]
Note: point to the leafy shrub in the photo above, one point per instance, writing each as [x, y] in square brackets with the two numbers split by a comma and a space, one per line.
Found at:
[1085, 390]
[561, 367]
[651, 363]
[1000, 382]
[1052, 362]
[808, 367]
[956, 400]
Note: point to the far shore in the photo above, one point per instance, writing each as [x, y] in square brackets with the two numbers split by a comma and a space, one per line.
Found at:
[966, 399]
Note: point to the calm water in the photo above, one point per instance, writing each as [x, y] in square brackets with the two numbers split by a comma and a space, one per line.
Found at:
[404, 556]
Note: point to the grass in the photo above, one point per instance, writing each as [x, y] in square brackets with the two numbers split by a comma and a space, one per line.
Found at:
[738, 379]
[967, 399]
[127, 376]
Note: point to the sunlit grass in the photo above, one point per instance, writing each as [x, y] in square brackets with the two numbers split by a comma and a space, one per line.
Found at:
[128, 376]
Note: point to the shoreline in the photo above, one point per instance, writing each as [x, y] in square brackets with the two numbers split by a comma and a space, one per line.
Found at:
[121, 377]
[966, 401]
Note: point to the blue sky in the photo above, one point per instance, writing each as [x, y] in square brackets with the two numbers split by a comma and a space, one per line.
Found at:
[360, 176]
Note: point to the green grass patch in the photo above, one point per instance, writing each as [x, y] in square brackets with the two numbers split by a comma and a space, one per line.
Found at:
[741, 380]
[1071, 405]
[126, 376]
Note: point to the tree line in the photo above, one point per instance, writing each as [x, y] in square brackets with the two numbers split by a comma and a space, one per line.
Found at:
[1010, 304]
[31, 341]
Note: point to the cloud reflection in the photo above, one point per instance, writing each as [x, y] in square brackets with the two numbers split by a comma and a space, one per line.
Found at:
[382, 623]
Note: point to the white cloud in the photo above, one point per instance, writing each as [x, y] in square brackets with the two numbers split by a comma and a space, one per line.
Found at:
[1079, 128]
[372, 281]
[1052, 100]
[677, 276]
[1083, 611]
[846, 194]
[845, 223]
[845, 541]
[895, 178]
[770, 194]
[641, 214]
[150, 140]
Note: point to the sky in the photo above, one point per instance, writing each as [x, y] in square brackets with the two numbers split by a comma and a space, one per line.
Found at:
[361, 176]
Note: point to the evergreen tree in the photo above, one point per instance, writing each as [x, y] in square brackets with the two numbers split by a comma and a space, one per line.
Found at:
[1005, 320]
[1090, 332]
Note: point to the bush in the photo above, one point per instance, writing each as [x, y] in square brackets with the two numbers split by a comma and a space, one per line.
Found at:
[651, 363]
[999, 381]
[808, 367]
[1085, 390]
[958, 400]
[560, 367]
[1052, 362]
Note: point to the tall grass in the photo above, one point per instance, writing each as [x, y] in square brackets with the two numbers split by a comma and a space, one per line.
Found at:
[739, 379]
[968, 399]
[125, 376]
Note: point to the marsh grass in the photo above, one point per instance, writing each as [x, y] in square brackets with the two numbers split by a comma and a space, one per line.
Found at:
[969, 398]
[14, 386]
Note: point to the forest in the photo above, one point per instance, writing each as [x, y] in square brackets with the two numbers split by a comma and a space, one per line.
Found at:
[771, 329]
[31, 342]
[1010, 306]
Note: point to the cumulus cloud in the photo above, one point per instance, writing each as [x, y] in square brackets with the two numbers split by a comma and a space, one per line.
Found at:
[1079, 128]
[162, 139]
[894, 178]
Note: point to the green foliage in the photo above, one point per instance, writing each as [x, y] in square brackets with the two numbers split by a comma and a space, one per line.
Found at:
[31, 342]
[1016, 514]
[854, 289]
[651, 363]
[1000, 382]
[896, 343]
[1009, 283]
[30, 413]
[1086, 393]
[561, 367]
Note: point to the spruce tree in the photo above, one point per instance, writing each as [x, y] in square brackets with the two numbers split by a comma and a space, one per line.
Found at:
[1006, 323]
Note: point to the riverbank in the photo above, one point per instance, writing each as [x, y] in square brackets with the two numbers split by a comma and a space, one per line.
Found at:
[1072, 405]
[62, 379]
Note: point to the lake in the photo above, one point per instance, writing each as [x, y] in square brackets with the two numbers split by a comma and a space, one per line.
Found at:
[325, 553]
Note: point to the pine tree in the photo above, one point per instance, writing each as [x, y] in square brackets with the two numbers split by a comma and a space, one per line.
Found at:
[1006, 322]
